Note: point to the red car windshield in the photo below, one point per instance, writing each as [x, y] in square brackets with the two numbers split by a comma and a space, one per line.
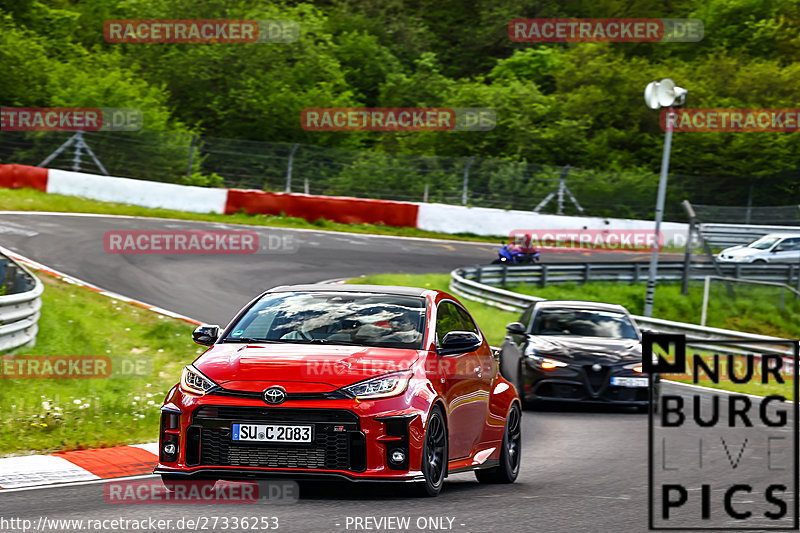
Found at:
[389, 321]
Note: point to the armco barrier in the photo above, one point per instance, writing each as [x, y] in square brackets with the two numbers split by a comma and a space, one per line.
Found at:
[20, 303]
[464, 284]
[426, 216]
[629, 272]
[726, 235]
[19, 176]
[500, 222]
[209, 200]
[339, 209]
[137, 192]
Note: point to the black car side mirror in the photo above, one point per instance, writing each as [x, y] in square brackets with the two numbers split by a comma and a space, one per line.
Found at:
[516, 328]
[457, 342]
[206, 335]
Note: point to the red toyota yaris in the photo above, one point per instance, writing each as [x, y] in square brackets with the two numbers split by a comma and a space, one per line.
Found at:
[360, 382]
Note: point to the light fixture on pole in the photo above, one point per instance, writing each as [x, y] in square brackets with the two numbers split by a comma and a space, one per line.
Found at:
[656, 95]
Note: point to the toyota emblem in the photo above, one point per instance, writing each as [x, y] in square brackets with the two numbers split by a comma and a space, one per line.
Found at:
[596, 367]
[274, 395]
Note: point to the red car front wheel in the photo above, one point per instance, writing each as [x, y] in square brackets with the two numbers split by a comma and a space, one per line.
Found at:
[434, 454]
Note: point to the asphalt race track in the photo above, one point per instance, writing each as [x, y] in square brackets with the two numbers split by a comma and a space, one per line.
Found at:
[578, 474]
[212, 288]
[583, 469]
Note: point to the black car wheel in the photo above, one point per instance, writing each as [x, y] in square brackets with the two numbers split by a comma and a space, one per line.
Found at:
[434, 454]
[526, 404]
[510, 454]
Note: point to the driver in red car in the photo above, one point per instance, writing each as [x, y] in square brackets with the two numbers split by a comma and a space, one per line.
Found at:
[403, 330]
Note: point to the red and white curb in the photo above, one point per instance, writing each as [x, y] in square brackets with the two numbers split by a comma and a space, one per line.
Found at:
[78, 465]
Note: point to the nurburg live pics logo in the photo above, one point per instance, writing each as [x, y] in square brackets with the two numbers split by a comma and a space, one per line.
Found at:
[722, 459]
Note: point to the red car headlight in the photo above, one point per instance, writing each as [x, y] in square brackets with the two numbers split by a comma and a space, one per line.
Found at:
[194, 382]
[381, 387]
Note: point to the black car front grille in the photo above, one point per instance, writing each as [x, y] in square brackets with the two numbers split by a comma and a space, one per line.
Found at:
[596, 378]
[338, 443]
[328, 451]
[587, 384]
[628, 394]
[560, 390]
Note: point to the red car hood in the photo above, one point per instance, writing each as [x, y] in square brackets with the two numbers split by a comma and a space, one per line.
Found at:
[299, 367]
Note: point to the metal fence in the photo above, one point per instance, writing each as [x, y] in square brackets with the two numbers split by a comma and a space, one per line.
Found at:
[368, 173]
[629, 272]
[785, 215]
[464, 282]
[20, 303]
[726, 235]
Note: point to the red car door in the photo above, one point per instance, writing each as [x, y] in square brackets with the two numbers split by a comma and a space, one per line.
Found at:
[467, 378]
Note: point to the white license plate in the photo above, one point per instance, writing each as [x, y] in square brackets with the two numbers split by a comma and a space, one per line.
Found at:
[629, 382]
[271, 433]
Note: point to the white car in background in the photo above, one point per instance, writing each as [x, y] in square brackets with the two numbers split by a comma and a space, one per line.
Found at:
[772, 248]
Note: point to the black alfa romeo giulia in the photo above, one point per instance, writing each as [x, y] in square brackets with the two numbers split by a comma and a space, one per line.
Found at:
[573, 351]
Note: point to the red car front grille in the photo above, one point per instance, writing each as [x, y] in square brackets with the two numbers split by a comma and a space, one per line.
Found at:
[327, 452]
[338, 443]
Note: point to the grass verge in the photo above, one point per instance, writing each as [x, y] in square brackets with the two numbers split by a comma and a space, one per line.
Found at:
[46, 415]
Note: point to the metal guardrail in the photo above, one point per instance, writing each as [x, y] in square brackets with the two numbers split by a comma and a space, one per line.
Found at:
[726, 235]
[546, 274]
[464, 284]
[20, 303]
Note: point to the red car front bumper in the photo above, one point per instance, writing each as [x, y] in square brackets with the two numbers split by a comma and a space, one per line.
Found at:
[352, 439]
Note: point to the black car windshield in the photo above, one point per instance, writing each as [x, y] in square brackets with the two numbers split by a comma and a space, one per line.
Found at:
[334, 318]
[584, 323]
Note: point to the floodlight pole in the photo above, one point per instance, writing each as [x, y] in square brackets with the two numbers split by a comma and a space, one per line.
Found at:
[660, 199]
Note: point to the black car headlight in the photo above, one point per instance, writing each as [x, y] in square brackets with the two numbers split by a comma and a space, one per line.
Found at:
[193, 381]
[636, 367]
[546, 363]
